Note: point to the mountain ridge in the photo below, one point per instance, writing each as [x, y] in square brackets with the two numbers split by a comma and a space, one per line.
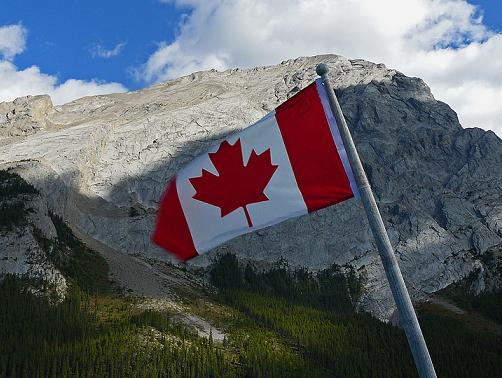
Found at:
[103, 161]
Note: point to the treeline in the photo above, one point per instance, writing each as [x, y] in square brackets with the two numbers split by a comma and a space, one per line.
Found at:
[74, 259]
[334, 336]
[488, 303]
[330, 289]
[11, 185]
[83, 335]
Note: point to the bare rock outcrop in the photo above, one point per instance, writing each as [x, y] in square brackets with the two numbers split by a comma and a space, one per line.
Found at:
[26, 237]
[25, 116]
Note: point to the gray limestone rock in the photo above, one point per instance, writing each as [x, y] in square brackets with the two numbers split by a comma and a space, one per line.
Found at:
[25, 116]
[439, 186]
[21, 251]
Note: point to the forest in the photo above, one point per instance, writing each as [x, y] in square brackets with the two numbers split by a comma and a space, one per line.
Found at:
[271, 332]
[316, 314]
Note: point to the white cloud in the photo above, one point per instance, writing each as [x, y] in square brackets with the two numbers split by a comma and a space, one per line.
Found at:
[469, 79]
[30, 81]
[99, 51]
[12, 40]
[442, 41]
[477, 104]
[72, 89]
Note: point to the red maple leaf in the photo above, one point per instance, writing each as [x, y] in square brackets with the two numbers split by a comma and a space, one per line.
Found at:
[236, 185]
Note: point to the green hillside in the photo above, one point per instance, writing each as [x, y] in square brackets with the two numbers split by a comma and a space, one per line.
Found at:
[310, 329]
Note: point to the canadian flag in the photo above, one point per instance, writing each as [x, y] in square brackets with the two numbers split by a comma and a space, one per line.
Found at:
[289, 163]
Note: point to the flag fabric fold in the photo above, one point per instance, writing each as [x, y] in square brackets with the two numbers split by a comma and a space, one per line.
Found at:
[289, 163]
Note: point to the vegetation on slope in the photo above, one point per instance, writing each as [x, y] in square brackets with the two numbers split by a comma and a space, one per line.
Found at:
[11, 185]
[74, 259]
[271, 332]
[12, 205]
[345, 343]
[487, 303]
[77, 262]
[69, 340]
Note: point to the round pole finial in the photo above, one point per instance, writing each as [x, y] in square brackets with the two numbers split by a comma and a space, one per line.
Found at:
[322, 69]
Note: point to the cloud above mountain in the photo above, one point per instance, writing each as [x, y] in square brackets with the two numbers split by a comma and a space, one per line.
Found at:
[17, 82]
[442, 41]
[98, 51]
[12, 40]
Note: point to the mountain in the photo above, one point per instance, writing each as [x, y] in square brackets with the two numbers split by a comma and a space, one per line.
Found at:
[102, 163]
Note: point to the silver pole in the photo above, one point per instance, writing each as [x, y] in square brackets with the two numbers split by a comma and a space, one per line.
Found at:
[403, 302]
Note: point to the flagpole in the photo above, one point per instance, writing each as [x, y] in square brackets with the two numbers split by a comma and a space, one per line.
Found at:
[407, 314]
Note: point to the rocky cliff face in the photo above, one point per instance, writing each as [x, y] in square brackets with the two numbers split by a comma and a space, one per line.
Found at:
[26, 236]
[103, 163]
[24, 116]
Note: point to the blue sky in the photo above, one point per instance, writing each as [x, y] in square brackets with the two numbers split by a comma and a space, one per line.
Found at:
[492, 11]
[63, 34]
[74, 48]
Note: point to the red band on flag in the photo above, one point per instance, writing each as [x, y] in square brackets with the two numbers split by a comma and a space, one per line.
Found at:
[317, 167]
[172, 232]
